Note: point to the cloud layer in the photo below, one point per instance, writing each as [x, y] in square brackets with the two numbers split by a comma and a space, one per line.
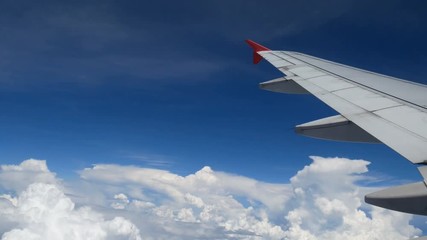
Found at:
[322, 201]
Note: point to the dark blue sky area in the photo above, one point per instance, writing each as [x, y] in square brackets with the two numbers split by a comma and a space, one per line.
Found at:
[171, 84]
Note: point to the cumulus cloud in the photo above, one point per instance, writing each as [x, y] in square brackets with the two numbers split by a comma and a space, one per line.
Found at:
[204, 181]
[206, 200]
[18, 177]
[37, 208]
[44, 212]
[322, 201]
[327, 205]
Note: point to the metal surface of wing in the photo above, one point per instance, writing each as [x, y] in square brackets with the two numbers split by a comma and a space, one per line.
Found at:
[391, 110]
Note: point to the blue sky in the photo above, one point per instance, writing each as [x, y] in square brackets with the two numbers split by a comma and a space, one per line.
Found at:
[151, 92]
[112, 82]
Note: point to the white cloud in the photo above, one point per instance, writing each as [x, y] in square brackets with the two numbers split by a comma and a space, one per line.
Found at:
[322, 201]
[204, 181]
[122, 201]
[18, 177]
[44, 212]
[327, 205]
[207, 199]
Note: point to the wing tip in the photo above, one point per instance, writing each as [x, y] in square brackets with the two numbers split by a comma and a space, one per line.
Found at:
[256, 48]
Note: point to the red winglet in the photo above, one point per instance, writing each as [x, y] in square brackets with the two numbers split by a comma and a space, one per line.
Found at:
[256, 47]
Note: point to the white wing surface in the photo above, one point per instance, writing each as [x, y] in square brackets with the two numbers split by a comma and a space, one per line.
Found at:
[393, 111]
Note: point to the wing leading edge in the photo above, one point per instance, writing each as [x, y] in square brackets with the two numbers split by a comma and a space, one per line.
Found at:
[372, 108]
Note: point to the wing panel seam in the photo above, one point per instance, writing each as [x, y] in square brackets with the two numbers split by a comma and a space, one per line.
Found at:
[372, 113]
[357, 83]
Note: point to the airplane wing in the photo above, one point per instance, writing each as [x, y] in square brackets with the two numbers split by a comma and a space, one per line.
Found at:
[372, 107]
